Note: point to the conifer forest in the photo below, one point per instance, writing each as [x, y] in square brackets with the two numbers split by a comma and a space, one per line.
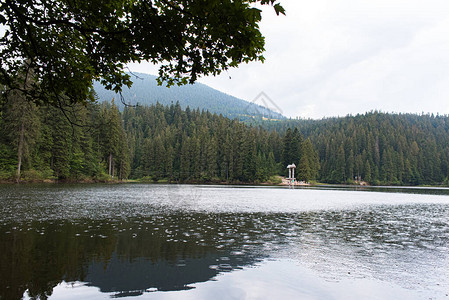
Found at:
[97, 142]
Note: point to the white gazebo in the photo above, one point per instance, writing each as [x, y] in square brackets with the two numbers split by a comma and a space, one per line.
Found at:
[291, 173]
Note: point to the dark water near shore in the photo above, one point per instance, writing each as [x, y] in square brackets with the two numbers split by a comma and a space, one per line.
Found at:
[223, 242]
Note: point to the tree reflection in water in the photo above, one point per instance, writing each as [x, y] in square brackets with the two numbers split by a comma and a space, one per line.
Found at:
[127, 257]
[88, 239]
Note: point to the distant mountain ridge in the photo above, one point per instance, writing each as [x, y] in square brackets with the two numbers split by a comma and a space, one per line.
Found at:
[145, 91]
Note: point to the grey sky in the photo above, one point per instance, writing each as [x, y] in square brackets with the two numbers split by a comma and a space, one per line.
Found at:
[339, 57]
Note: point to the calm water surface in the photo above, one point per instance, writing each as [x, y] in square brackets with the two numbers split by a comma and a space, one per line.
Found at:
[223, 242]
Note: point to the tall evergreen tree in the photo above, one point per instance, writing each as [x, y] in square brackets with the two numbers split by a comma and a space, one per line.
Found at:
[287, 158]
[110, 130]
[20, 127]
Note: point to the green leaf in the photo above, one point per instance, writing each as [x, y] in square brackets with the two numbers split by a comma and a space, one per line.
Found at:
[279, 9]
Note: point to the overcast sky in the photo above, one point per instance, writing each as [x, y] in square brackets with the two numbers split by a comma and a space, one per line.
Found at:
[339, 57]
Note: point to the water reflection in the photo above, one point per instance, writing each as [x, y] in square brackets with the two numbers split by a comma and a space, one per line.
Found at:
[171, 252]
[162, 252]
[151, 247]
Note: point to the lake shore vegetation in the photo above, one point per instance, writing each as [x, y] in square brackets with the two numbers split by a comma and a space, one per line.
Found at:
[168, 144]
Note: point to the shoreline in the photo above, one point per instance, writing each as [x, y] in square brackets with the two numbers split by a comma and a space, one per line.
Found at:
[127, 181]
[285, 182]
[281, 184]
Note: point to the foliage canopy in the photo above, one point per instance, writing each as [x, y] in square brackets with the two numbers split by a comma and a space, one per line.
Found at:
[69, 43]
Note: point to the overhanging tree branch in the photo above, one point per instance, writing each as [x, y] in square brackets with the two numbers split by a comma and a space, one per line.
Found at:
[72, 43]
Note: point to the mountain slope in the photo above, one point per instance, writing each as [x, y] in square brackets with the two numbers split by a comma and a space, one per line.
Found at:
[380, 148]
[145, 91]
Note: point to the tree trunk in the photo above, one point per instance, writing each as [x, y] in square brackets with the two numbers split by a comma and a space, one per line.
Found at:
[20, 151]
[110, 164]
[113, 168]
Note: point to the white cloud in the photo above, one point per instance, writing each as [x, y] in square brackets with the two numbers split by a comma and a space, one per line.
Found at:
[404, 79]
[328, 58]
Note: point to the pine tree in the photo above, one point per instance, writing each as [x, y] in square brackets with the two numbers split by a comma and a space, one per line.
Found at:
[350, 165]
[287, 158]
[62, 133]
[210, 158]
[21, 127]
[271, 164]
[159, 159]
[123, 157]
[340, 175]
[296, 146]
[110, 135]
[308, 166]
[367, 172]
[185, 159]
[304, 172]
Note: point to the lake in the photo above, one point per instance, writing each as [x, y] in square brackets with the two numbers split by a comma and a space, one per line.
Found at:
[147, 241]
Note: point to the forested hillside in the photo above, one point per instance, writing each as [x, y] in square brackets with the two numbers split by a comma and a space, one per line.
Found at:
[154, 143]
[377, 147]
[166, 143]
[145, 91]
[169, 143]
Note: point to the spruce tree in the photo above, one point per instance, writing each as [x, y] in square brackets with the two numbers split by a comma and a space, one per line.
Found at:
[20, 127]
[110, 135]
[287, 158]
[367, 172]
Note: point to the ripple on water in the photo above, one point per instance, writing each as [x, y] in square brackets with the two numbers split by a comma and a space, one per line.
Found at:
[359, 236]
